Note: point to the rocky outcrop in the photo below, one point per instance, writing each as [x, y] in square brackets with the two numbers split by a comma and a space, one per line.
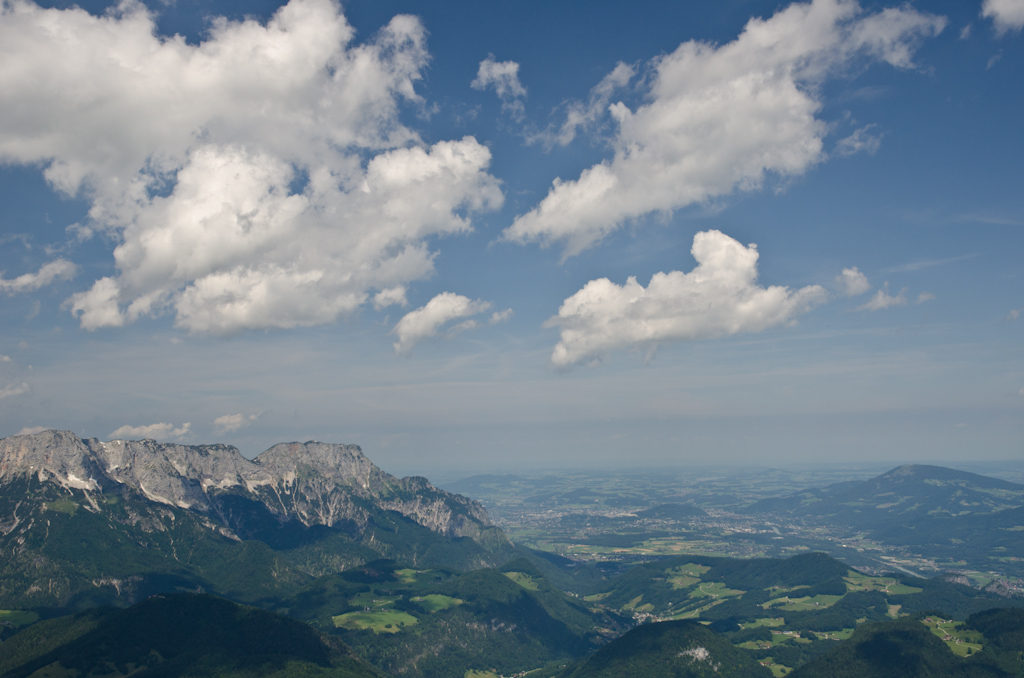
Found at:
[312, 483]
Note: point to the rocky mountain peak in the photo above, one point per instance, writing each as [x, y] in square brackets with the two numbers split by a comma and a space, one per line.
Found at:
[58, 455]
[122, 519]
[314, 483]
[337, 462]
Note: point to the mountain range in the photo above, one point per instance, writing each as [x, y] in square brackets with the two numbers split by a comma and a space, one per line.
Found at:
[89, 521]
[345, 571]
[944, 514]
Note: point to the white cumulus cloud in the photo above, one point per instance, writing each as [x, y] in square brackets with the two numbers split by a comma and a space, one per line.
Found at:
[31, 430]
[852, 282]
[883, 300]
[58, 269]
[503, 76]
[151, 431]
[501, 316]
[390, 297]
[720, 118]
[719, 297]
[233, 422]
[259, 179]
[1005, 14]
[426, 321]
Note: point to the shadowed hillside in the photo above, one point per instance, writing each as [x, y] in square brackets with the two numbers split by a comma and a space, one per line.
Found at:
[180, 635]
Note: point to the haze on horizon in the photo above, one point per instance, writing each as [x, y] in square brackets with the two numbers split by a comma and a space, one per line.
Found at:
[518, 235]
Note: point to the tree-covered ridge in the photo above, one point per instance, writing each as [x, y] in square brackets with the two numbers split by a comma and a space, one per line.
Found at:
[908, 648]
[72, 549]
[1003, 631]
[677, 649]
[180, 635]
[513, 619]
[784, 612]
[442, 623]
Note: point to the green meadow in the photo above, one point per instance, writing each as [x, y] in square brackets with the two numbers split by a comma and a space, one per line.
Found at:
[435, 602]
[379, 621]
[714, 590]
[17, 618]
[961, 641]
[523, 579]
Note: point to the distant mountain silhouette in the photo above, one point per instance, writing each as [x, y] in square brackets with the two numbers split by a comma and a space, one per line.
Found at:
[913, 490]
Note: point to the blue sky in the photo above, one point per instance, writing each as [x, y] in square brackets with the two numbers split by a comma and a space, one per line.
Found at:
[496, 235]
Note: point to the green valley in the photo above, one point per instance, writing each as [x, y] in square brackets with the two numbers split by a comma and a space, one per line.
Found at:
[375, 575]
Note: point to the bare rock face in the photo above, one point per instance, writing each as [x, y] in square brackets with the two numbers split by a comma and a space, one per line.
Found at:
[59, 456]
[312, 483]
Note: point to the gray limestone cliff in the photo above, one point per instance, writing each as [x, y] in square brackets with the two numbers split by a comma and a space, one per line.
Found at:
[316, 484]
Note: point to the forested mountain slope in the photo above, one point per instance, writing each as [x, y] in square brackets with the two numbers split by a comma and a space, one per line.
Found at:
[179, 635]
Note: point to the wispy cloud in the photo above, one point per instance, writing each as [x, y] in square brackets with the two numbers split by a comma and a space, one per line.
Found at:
[23, 238]
[986, 219]
[499, 317]
[883, 300]
[503, 76]
[13, 390]
[586, 115]
[928, 263]
[161, 430]
[862, 140]
[59, 269]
